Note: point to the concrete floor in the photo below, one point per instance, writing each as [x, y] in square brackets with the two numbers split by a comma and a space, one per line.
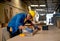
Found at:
[53, 34]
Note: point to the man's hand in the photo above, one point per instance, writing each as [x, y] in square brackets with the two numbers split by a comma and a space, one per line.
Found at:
[21, 27]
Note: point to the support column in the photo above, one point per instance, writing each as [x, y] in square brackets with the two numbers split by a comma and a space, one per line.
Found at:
[18, 6]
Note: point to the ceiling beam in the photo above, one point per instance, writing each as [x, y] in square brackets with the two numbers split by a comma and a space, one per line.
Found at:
[1, 1]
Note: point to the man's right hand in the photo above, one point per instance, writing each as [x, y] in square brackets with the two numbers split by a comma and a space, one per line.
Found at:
[21, 27]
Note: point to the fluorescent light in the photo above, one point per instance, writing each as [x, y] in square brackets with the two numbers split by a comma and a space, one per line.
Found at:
[34, 5]
[42, 5]
[42, 14]
[40, 9]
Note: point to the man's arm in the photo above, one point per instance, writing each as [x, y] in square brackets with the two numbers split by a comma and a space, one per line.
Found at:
[35, 26]
[29, 21]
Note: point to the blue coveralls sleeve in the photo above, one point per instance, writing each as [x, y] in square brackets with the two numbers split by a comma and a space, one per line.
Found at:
[18, 21]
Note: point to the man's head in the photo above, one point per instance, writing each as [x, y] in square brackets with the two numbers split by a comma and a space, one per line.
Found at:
[28, 17]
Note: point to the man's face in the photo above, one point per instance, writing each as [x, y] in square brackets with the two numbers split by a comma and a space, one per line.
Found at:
[28, 17]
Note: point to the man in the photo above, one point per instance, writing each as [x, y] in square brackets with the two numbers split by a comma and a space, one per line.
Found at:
[17, 23]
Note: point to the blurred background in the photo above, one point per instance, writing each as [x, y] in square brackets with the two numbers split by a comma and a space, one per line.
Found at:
[46, 11]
